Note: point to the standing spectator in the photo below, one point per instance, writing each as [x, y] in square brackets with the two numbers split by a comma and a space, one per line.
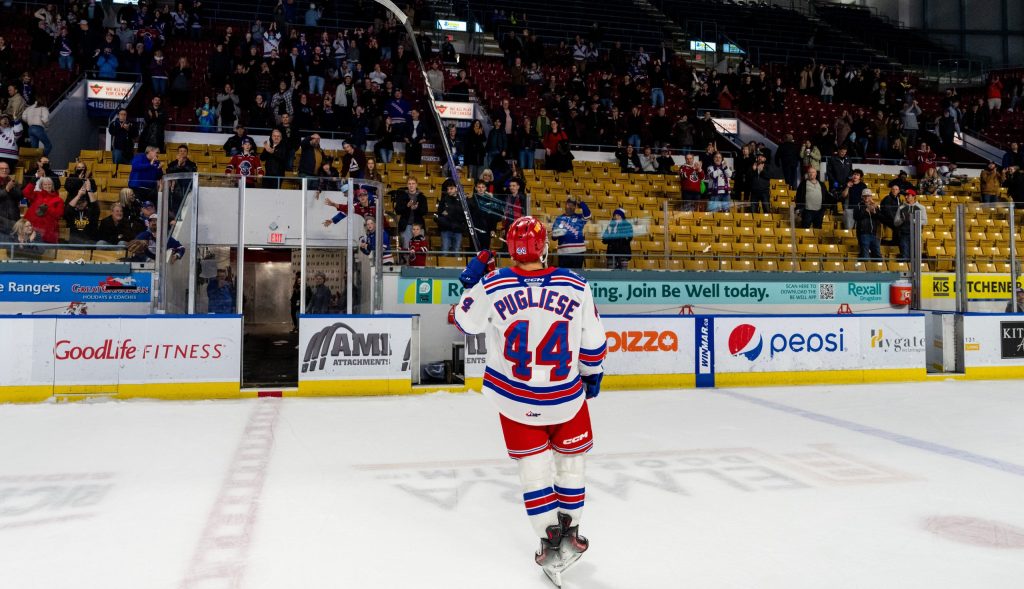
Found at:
[368, 244]
[691, 175]
[931, 185]
[416, 136]
[179, 188]
[158, 73]
[435, 78]
[838, 169]
[788, 157]
[909, 116]
[852, 197]
[617, 236]
[146, 173]
[558, 156]
[117, 228]
[318, 298]
[497, 143]
[994, 93]
[517, 202]
[528, 142]
[353, 163]
[246, 164]
[10, 199]
[410, 205]
[991, 182]
[451, 218]
[418, 247]
[810, 156]
[82, 214]
[718, 175]
[153, 128]
[866, 219]
[234, 143]
[274, 158]
[9, 136]
[228, 110]
[568, 229]
[220, 293]
[903, 220]
[811, 199]
[475, 149]
[107, 64]
[15, 103]
[122, 131]
[37, 117]
[385, 146]
[1013, 156]
[181, 82]
[760, 186]
[45, 208]
[206, 115]
[311, 155]
[648, 161]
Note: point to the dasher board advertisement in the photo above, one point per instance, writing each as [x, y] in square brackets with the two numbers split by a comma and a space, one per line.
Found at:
[368, 351]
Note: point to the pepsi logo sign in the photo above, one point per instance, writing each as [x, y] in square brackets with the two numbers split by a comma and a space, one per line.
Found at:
[746, 341]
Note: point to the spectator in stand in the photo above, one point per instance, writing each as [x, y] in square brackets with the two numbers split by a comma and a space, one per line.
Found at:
[416, 135]
[902, 180]
[904, 219]
[220, 294]
[1020, 302]
[528, 143]
[148, 236]
[991, 181]
[852, 197]
[811, 200]
[1013, 156]
[924, 159]
[451, 218]
[558, 157]
[233, 145]
[691, 175]
[418, 247]
[327, 177]
[282, 103]
[45, 208]
[10, 199]
[810, 156]
[246, 164]
[158, 73]
[385, 146]
[788, 157]
[138, 211]
[106, 64]
[717, 176]
[274, 158]
[311, 156]
[372, 171]
[760, 186]
[435, 77]
[497, 143]
[946, 129]
[648, 161]
[290, 137]
[37, 118]
[154, 126]
[24, 239]
[15, 103]
[994, 93]
[568, 229]
[81, 210]
[665, 162]
[353, 163]
[866, 219]
[368, 244]
[121, 133]
[206, 115]
[1013, 181]
[517, 202]
[887, 210]
[179, 188]
[931, 185]
[146, 173]
[228, 110]
[475, 149]
[9, 136]
[617, 235]
[410, 205]
[117, 228]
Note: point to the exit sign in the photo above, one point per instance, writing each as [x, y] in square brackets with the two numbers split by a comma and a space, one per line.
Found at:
[276, 238]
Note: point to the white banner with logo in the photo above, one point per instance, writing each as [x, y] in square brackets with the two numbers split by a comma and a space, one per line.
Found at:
[355, 354]
[158, 356]
[745, 344]
[460, 111]
[637, 345]
[994, 345]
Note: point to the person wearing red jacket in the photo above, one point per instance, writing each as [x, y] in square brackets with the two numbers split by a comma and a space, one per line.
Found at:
[45, 208]
[994, 94]
[245, 164]
[418, 246]
[691, 174]
[558, 156]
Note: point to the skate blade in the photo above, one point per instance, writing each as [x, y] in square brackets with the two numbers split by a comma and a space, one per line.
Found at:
[554, 576]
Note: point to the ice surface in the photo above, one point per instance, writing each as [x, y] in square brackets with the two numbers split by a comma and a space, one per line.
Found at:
[855, 486]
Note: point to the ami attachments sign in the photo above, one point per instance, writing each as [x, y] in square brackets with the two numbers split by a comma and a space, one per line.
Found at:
[1011, 339]
[355, 354]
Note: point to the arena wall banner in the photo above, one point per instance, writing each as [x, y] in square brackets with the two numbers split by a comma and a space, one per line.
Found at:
[799, 349]
[75, 293]
[644, 351]
[993, 345]
[980, 287]
[355, 354]
[158, 356]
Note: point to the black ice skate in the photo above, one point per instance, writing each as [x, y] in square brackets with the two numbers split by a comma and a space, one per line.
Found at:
[573, 545]
[549, 557]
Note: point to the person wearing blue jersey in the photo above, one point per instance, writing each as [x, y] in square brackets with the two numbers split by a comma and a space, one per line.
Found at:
[545, 349]
[568, 230]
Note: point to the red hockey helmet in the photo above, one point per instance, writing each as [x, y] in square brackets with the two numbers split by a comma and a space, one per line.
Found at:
[527, 240]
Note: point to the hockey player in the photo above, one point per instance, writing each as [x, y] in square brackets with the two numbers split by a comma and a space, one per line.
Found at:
[245, 164]
[545, 347]
[568, 230]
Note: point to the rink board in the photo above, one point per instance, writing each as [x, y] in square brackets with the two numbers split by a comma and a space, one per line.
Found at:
[355, 355]
[993, 345]
[158, 356]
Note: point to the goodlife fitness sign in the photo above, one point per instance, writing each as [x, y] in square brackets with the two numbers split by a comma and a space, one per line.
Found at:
[637, 344]
[462, 111]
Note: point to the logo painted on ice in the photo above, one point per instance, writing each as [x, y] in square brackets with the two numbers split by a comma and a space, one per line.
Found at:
[746, 341]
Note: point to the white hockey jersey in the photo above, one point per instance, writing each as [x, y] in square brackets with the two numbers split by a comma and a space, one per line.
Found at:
[543, 332]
